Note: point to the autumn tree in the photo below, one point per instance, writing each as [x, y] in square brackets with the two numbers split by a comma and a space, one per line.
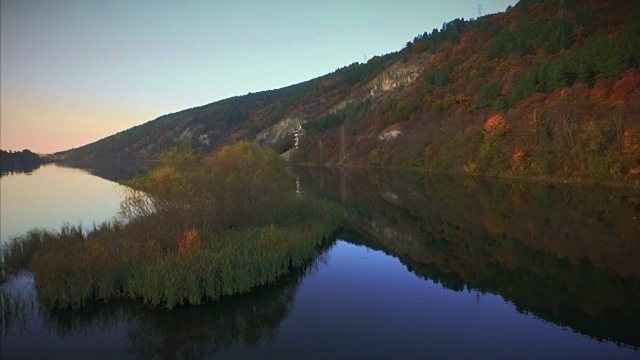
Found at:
[239, 185]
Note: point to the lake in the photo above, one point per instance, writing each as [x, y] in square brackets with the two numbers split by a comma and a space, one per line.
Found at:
[432, 267]
[51, 195]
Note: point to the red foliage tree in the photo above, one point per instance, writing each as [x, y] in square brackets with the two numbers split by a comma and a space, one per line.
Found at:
[627, 85]
[601, 90]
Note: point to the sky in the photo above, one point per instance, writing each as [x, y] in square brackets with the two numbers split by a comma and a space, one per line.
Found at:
[75, 71]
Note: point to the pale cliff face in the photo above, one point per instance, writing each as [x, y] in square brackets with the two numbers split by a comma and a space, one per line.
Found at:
[398, 75]
[393, 80]
[279, 131]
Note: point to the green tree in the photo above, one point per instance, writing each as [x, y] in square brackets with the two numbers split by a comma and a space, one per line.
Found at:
[488, 95]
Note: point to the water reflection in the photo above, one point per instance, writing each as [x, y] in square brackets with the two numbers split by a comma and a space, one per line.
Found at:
[15, 169]
[53, 195]
[114, 170]
[568, 255]
[189, 332]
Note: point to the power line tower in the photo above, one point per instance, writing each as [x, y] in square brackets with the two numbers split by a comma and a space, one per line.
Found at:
[479, 10]
[562, 10]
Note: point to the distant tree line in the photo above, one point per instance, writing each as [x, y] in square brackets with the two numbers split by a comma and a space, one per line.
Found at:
[20, 161]
[430, 41]
[8, 157]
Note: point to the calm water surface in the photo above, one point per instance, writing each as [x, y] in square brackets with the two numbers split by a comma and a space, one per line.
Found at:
[52, 195]
[423, 269]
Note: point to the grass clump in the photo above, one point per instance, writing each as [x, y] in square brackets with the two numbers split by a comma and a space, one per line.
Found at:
[69, 270]
[18, 252]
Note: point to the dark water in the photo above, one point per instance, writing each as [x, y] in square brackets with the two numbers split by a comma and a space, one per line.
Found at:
[424, 268]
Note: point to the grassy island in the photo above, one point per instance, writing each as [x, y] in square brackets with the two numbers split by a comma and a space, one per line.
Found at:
[195, 229]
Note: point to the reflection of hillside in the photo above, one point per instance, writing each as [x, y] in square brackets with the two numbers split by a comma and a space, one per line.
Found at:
[567, 255]
[115, 170]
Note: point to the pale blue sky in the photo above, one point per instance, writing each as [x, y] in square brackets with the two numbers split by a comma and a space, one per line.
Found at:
[75, 71]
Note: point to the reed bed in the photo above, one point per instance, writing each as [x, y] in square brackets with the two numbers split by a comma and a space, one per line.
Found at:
[111, 261]
[18, 252]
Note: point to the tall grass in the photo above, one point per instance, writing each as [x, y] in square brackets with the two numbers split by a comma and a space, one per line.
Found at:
[16, 255]
[71, 267]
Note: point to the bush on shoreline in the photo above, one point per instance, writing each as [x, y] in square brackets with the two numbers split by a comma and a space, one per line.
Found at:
[195, 229]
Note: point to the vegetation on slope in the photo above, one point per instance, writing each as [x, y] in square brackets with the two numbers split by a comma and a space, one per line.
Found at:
[525, 93]
[537, 91]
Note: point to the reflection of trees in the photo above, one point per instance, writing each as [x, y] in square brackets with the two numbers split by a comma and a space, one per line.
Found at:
[567, 255]
[113, 170]
[23, 168]
[191, 331]
[18, 162]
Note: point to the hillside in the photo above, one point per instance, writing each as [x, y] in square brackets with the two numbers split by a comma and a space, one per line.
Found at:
[542, 90]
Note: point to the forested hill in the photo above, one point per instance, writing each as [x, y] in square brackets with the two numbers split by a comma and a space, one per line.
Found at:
[548, 88]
